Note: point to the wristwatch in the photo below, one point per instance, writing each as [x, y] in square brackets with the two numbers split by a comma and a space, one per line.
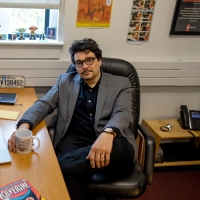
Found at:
[110, 131]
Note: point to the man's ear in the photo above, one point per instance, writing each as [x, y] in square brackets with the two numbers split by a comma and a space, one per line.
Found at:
[100, 61]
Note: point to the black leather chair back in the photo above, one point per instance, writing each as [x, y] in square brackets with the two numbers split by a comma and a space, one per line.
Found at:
[123, 68]
[129, 183]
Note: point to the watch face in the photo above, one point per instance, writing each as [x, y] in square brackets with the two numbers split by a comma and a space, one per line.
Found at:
[110, 130]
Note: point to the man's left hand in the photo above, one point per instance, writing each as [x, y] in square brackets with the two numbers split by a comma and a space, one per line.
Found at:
[99, 154]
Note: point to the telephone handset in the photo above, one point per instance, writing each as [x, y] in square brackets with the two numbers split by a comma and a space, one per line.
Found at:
[189, 119]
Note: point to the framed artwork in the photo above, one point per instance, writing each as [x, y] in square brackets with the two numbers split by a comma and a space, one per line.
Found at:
[186, 19]
[142, 12]
[51, 33]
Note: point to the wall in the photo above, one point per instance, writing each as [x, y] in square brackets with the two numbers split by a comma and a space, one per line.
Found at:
[161, 46]
[168, 66]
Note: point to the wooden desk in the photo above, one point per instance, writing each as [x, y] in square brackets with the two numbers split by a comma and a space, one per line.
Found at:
[176, 133]
[39, 167]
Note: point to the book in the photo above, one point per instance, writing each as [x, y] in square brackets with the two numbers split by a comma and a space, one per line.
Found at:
[19, 190]
[8, 98]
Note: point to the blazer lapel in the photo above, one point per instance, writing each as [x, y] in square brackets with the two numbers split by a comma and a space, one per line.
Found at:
[74, 91]
[102, 94]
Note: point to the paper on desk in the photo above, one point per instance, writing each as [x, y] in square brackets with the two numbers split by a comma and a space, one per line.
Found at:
[7, 114]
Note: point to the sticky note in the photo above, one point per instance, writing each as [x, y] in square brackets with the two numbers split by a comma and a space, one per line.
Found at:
[7, 114]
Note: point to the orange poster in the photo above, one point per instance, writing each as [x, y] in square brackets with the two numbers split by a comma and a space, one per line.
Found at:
[94, 13]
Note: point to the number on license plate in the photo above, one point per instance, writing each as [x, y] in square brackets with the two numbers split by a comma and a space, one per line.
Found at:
[11, 81]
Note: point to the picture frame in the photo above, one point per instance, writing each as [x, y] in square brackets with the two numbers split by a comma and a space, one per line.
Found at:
[51, 33]
[3, 36]
[186, 19]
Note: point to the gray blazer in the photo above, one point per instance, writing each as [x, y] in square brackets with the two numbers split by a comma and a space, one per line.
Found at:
[113, 109]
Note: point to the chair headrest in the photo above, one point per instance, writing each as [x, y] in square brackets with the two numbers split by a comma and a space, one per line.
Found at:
[118, 67]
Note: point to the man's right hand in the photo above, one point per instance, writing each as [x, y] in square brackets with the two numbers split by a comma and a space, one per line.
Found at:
[12, 139]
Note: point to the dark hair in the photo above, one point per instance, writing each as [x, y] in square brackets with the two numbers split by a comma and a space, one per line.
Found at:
[83, 46]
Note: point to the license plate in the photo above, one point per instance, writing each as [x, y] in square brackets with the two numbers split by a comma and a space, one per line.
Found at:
[11, 81]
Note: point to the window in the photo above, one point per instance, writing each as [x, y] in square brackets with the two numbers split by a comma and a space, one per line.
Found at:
[18, 14]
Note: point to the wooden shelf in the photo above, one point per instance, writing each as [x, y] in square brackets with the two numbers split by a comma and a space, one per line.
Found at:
[176, 133]
[177, 163]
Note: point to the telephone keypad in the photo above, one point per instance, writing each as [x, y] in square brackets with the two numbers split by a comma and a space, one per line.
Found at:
[196, 123]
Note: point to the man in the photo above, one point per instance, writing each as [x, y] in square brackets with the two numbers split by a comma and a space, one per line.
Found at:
[51, 34]
[94, 118]
[134, 27]
[146, 27]
[151, 5]
[138, 16]
[139, 6]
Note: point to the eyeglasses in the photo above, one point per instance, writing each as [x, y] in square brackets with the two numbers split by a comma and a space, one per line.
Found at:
[87, 61]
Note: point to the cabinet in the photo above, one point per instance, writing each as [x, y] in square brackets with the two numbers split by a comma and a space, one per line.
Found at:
[176, 133]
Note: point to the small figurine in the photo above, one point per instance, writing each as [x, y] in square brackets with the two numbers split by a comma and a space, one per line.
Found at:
[32, 34]
[21, 32]
[42, 36]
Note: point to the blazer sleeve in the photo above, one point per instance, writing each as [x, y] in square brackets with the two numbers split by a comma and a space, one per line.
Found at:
[42, 107]
[121, 116]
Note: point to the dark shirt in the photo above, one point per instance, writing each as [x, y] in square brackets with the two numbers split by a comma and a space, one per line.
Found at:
[81, 127]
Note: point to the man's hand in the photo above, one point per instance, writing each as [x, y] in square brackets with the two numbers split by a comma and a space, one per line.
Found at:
[11, 140]
[99, 154]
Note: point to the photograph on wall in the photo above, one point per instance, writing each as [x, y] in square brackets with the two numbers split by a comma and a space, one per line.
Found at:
[142, 12]
[94, 13]
[186, 19]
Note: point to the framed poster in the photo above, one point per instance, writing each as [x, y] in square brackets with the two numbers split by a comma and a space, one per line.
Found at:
[94, 13]
[186, 19]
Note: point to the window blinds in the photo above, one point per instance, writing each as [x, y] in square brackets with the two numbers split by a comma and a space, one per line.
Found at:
[31, 1]
[47, 4]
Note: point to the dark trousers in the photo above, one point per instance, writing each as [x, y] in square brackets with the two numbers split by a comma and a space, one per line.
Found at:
[77, 171]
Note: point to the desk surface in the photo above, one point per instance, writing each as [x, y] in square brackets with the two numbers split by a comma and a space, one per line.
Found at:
[40, 167]
[175, 133]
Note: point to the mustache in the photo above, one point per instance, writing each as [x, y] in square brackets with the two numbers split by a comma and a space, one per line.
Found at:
[86, 71]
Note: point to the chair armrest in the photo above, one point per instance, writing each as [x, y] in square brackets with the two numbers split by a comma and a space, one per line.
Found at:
[52, 127]
[150, 149]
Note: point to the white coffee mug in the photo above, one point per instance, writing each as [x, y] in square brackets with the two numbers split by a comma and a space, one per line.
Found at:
[24, 141]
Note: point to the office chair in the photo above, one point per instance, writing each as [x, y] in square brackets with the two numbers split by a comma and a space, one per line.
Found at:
[130, 183]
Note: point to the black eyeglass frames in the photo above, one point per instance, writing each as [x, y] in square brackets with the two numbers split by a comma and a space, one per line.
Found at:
[87, 61]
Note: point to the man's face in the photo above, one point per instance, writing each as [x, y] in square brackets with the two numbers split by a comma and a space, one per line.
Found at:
[148, 26]
[146, 35]
[88, 72]
[139, 14]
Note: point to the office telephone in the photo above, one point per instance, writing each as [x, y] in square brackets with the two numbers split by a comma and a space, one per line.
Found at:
[189, 119]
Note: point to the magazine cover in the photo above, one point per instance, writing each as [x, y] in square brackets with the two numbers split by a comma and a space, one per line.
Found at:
[19, 190]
